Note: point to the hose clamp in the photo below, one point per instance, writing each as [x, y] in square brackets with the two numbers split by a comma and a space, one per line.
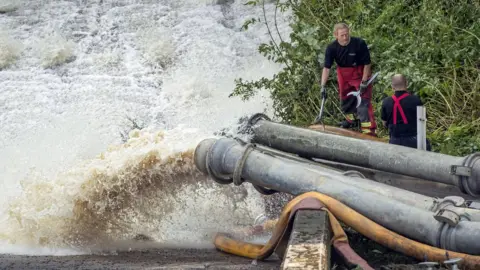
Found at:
[256, 117]
[237, 172]
[446, 210]
[463, 173]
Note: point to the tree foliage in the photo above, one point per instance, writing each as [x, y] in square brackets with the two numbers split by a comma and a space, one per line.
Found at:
[436, 43]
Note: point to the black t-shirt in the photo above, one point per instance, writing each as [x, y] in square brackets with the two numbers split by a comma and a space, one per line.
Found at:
[356, 53]
[409, 105]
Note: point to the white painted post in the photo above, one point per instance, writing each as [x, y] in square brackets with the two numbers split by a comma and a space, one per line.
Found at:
[421, 128]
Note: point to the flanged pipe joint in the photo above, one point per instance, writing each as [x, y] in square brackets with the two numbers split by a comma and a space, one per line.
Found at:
[209, 151]
[463, 172]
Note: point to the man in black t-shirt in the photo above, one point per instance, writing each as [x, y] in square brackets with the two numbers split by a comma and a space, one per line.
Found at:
[352, 57]
[399, 114]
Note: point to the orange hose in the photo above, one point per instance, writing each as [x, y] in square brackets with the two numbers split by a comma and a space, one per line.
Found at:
[353, 219]
[257, 251]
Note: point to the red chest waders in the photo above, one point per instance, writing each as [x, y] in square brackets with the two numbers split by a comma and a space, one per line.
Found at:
[349, 79]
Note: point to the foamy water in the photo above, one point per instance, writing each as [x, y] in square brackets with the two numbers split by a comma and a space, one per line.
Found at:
[73, 73]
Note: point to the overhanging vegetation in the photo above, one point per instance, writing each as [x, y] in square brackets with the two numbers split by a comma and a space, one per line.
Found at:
[435, 43]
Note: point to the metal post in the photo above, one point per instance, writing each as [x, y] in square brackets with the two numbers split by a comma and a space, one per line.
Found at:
[421, 128]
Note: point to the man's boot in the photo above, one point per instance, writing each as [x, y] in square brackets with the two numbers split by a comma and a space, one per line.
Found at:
[349, 124]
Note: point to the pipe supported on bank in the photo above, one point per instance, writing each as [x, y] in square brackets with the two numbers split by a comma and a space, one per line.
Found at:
[226, 157]
[463, 172]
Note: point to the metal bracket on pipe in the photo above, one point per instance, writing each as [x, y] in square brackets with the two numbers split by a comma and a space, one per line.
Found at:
[446, 210]
[428, 265]
[449, 200]
[453, 263]
[473, 204]
[447, 216]
[353, 173]
[460, 170]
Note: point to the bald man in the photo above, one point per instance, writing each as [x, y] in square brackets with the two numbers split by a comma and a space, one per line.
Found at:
[399, 114]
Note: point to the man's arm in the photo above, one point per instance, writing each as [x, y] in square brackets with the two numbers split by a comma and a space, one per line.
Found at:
[365, 60]
[383, 114]
[325, 74]
[367, 70]
[327, 65]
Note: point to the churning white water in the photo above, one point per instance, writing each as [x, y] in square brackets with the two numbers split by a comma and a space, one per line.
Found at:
[72, 74]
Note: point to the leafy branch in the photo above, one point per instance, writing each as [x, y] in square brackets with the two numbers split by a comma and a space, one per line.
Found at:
[435, 43]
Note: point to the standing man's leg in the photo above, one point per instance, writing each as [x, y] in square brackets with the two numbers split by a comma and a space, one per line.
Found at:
[365, 113]
[410, 142]
[429, 146]
[348, 108]
[367, 119]
[347, 103]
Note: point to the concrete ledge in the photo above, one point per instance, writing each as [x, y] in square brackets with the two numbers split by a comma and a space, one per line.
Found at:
[309, 243]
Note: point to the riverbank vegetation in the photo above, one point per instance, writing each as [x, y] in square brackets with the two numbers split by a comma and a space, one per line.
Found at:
[436, 43]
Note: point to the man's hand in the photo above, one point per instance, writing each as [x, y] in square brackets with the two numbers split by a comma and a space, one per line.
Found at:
[363, 87]
[324, 92]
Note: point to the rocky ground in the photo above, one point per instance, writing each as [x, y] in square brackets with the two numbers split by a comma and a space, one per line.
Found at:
[142, 259]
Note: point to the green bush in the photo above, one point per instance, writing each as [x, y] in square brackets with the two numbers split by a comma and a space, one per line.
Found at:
[435, 43]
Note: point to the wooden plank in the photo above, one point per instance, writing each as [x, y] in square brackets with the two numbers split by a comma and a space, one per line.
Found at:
[309, 243]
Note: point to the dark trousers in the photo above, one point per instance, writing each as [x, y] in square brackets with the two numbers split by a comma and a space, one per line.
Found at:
[364, 113]
[408, 142]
